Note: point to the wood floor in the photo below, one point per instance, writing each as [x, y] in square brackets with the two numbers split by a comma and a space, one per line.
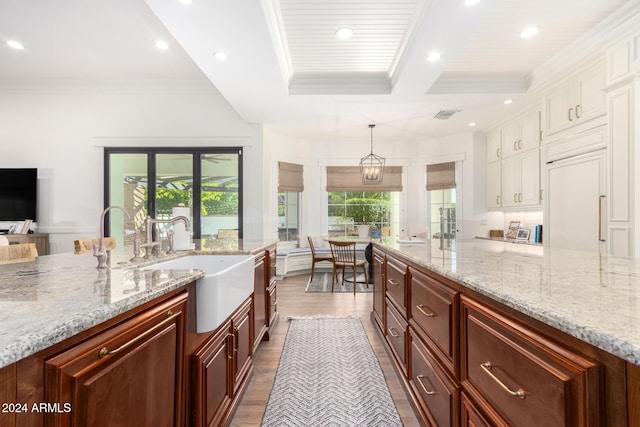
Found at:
[293, 301]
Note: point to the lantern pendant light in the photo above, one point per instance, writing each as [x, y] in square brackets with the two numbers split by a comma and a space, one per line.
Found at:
[372, 166]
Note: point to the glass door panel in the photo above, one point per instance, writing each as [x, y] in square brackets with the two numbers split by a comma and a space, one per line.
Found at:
[443, 215]
[128, 189]
[174, 186]
[220, 201]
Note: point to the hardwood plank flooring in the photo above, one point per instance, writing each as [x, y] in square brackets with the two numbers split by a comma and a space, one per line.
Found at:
[293, 301]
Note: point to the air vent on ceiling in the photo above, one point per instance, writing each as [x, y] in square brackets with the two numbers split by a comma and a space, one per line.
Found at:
[445, 114]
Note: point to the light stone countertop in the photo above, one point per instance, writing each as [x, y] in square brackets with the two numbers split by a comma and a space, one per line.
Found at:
[592, 297]
[58, 296]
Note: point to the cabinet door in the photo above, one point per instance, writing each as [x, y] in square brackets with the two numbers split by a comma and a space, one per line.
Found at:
[378, 288]
[437, 395]
[494, 185]
[396, 283]
[259, 298]
[510, 139]
[525, 378]
[396, 335]
[529, 194]
[590, 99]
[510, 182]
[494, 144]
[242, 345]
[559, 111]
[434, 313]
[130, 374]
[212, 379]
[529, 132]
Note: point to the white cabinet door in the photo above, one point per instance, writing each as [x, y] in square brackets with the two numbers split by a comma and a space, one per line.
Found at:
[575, 215]
[493, 146]
[510, 138]
[529, 194]
[530, 131]
[590, 97]
[494, 185]
[510, 182]
[558, 108]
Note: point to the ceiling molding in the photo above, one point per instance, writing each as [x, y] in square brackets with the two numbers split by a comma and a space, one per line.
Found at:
[340, 84]
[273, 16]
[588, 47]
[478, 85]
[421, 9]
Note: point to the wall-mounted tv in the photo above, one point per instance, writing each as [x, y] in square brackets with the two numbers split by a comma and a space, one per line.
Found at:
[18, 194]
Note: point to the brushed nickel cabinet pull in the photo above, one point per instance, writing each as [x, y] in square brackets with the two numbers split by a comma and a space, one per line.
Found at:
[519, 144]
[600, 199]
[104, 351]
[498, 152]
[515, 145]
[486, 366]
[419, 378]
[391, 332]
[515, 197]
[393, 282]
[421, 307]
[570, 110]
[519, 197]
[578, 111]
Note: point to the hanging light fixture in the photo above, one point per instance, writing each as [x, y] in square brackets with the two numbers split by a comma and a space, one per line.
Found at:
[372, 166]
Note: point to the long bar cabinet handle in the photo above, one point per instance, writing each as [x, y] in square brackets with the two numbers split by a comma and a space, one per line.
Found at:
[486, 366]
[428, 392]
[421, 307]
[104, 351]
[578, 111]
[569, 112]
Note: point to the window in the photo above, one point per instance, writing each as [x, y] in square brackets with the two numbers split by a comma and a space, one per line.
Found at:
[288, 216]
[206, 180]
[346, 210]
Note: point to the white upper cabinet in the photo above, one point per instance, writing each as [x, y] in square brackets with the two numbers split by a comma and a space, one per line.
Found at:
[494, 146]
[494, 185]
[521, 180]
[521, 134]
[575, 101]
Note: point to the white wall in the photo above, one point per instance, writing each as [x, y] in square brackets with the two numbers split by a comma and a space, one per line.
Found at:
[61, 129]
[469, 148]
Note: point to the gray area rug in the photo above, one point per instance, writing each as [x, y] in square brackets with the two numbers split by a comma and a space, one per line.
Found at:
[329, 376]
[321, 282]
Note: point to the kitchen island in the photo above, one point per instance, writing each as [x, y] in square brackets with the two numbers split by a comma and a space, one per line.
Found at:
[59, 313]
[511, 334]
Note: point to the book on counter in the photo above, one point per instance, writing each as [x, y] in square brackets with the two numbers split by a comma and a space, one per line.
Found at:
[537, 234]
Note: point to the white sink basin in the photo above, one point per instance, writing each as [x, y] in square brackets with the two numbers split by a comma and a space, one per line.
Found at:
[227, 283]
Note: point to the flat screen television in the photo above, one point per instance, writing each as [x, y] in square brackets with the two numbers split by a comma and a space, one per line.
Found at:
[18, 194]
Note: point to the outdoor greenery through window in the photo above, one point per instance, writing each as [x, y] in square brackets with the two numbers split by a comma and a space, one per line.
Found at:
[288, 216]
[347, 210]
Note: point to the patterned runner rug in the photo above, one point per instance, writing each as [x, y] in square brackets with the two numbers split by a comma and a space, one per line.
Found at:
[329, 376]
[321, 282]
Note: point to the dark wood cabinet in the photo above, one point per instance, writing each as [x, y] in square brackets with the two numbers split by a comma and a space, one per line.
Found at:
[378, 288]
[130, 372]
[259, 298]
[221, 368]
[465, 359]
[522, 378]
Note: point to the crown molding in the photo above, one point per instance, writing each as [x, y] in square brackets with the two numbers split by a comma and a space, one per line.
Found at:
[478, 85]
[340, 84]
[587, 48]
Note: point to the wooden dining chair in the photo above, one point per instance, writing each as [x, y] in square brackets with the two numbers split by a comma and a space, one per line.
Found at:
[344, 256]
[317, 257]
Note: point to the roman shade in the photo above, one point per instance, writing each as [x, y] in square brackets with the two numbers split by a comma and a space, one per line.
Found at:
[290, 177]
[348, 179]
[441, 176]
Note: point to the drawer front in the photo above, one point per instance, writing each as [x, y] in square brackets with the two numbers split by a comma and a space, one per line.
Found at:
[396, 335]
[436, 393]
[471, 417]
[433, 308]
[396, 284]
[273, 304]
[527, 379]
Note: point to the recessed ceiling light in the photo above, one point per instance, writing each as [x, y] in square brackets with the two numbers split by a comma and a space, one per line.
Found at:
[472, 124]
[162, 45]
[14, 44]
[344, 33]
[471, 2]
[434, 56]
[529, 32]
[508, 101]
[220, 55]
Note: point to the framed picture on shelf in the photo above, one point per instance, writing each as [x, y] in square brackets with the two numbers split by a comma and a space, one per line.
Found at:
[523, 234]
[512, 231]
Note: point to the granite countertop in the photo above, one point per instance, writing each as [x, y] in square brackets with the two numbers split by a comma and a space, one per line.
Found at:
[58, 296]
[592, 297]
